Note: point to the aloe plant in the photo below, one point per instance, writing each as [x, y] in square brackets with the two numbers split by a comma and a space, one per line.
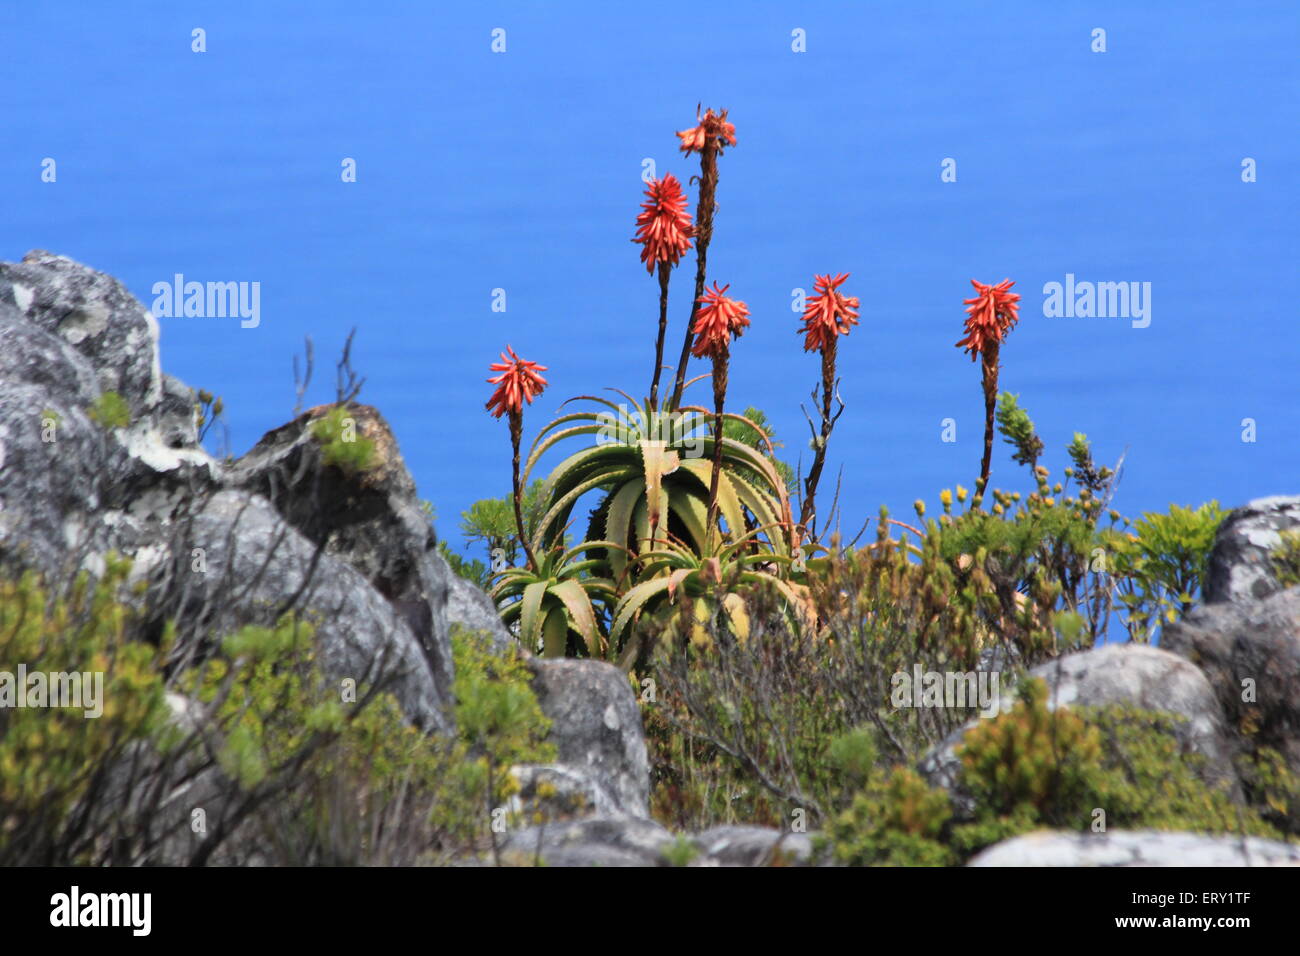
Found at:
[712, 582]
[558, 597]
[653, 470]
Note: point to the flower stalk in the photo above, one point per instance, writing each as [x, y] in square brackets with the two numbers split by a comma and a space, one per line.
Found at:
[664, 231]
[828, 315]
[719, 320]
[991, 314]
[708, 139]
[519, 382]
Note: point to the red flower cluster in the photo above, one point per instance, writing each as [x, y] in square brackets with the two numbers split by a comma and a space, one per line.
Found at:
[712, 126]
[828, 313]
[718, 319]
[517, 383]
[992, 313]
[664, 226]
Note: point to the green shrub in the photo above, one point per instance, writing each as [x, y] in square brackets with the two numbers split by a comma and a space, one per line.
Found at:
[897, 821]
[340, 444]
[1159, 570]
[309, 771]
[354, 782]
[1034, 768]
[50, 757]
[1032, 760]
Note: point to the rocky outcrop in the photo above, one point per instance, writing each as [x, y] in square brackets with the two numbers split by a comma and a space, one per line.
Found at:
[1129, 674]
[473, 610]
[371, 520]
[255, 566]
[1240, 569]
[1251, 654]
[623, 842]
[1137, 848]
[99, 452]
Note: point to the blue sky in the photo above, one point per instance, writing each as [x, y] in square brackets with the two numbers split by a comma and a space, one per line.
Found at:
[522, 171]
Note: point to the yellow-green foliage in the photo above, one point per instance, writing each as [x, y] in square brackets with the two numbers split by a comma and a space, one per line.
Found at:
[1286, 559]
[1032, 759]
[1273, 787]
[341, 446]
[285, 726]
[1159, 570]
[49, 755]
[327, 778]
[499, 721]
[896, 821]
[1035, 768]
[111, 411]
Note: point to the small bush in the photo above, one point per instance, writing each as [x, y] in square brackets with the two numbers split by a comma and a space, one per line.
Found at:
[110, 411]
[1035, 768]
[1286, 559]
[51, 758]
[340, 445]
[897, 821]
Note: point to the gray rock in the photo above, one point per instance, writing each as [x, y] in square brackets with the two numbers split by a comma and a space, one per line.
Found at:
[255, 567]
[1258, 643]
[175, 416]
[1137, 848]
[371, 520]
[275, 531]
[97, 316]
[473, 610]
[752, 846]
[68, 483]
[597, 841]
[560, 792]
[1129, 674]
[55, 461]
[596, 726]
[1240, 568]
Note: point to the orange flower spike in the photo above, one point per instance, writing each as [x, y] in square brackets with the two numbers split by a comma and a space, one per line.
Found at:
[712, 126]
[718, 320]
[518, 382]
[991, 315]
[663, 226]
[828, 313]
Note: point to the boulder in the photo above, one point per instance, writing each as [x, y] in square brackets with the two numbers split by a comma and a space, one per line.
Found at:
[552, 792]
[473, 610]
[734, 845]
[370, 519]
[1251, 654]
[1137, 848]
[596, 841]
[1240, 569]
[237, 562]
[73, 488]
[95, 315]
[596, 726]
[54, 459]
